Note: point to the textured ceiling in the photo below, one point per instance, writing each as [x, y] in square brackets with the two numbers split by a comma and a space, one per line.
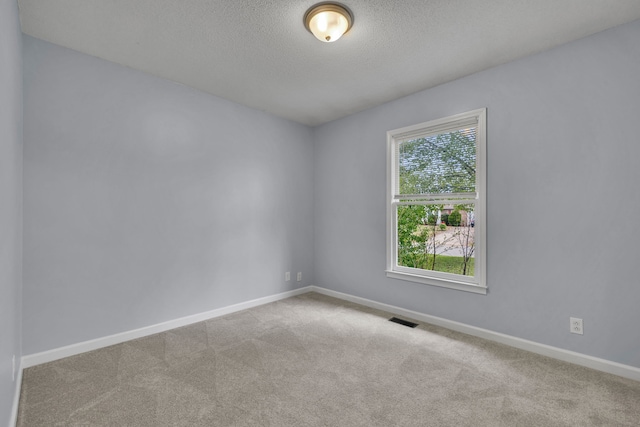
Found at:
[258, 53]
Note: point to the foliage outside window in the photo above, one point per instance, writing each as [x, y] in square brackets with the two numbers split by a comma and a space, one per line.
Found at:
[436, 202]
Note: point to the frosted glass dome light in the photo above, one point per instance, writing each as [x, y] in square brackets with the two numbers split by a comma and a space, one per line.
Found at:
[328, 21]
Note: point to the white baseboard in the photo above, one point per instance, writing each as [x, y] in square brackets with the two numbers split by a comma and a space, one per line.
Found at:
[13, 420]
[603, 365]
[73, 349]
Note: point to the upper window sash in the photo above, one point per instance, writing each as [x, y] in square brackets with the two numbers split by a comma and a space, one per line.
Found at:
[426, 162]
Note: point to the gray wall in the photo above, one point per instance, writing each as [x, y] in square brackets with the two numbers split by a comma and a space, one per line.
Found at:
[563, 234]
[146, 201]
[10, 200]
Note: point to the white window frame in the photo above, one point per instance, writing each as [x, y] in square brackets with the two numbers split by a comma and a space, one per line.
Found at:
[477, 283]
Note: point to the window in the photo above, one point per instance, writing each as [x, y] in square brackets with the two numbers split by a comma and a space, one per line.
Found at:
[436, 213]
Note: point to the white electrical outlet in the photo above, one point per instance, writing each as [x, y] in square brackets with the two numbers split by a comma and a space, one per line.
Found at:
[299, 276]
[575, 326]
[287, 276]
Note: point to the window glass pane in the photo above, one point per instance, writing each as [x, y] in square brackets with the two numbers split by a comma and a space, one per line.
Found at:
[437, 237]
[436, 164]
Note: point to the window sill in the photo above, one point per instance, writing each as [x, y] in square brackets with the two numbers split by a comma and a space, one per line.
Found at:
[443, 283]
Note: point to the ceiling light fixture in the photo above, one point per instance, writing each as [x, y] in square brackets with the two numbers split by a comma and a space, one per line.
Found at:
[328, 21]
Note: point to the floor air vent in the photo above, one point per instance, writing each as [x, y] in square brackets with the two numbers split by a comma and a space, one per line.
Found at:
[403, 322]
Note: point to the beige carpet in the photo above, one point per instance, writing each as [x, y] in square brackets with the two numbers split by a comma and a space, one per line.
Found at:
[312, 360]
